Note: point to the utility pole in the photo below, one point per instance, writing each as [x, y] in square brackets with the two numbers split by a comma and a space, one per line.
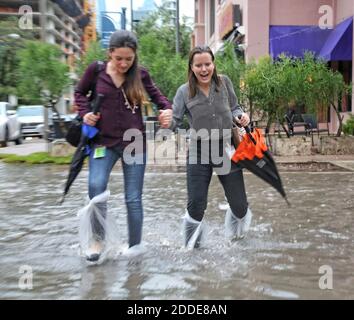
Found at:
[123, 20]
[177, 28]
[43, 23]
[131, 16]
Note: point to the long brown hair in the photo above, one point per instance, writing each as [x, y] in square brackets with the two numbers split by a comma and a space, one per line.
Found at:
[192, 80]
[133, 85]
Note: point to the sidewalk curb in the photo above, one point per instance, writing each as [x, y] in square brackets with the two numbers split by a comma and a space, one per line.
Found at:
[315, 163]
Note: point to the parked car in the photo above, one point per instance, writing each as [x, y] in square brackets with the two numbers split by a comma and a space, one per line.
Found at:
[10, 126]
[32, 120]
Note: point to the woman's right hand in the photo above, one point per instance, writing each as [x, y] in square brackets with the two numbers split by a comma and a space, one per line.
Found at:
[91, 119]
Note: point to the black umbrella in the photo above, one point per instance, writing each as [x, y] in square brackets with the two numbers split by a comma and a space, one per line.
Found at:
[252, 153]
[83, 149]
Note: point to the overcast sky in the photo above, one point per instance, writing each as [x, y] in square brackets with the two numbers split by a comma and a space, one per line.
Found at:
[186, 6]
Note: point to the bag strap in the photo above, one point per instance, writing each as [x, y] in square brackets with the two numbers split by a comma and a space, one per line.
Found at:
[98, 68]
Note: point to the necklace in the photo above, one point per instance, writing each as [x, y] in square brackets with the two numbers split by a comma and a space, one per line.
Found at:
[128, 105]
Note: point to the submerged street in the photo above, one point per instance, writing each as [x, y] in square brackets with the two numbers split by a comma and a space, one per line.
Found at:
[283, 256]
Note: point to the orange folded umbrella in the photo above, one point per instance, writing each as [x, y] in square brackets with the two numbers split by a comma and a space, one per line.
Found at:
[252, 153]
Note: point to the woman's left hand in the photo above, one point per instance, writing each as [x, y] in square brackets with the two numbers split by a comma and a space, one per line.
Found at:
[165, 118]
[244, 121]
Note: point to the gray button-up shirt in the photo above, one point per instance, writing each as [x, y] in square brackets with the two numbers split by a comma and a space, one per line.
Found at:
[209, 117]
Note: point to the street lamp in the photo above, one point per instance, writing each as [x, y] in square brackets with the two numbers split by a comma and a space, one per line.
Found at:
[131, 16]
[177, 28]
[132, 20]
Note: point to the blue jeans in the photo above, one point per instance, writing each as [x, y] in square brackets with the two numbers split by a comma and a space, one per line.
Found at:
[99, 172]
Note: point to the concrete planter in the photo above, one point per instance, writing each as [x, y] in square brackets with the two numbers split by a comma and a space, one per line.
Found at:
[283, 146]
[336, 145]
[60, 148]
[302, 146]
[293, 146]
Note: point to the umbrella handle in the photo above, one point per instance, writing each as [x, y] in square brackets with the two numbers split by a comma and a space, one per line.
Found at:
[97, 104]
[248, 130]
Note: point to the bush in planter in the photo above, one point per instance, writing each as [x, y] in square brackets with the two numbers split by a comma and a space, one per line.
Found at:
[348, 127]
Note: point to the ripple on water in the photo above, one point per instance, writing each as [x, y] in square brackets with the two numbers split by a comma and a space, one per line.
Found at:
[162, 282]
[281, 294]
[279, 258]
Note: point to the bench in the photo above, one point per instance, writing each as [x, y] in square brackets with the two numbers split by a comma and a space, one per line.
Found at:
[295, 121]
[311, 121]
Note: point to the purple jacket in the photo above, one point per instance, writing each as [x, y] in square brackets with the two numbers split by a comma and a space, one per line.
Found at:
[115, 117]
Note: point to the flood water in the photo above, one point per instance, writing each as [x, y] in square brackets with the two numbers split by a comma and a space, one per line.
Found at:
[286, 254]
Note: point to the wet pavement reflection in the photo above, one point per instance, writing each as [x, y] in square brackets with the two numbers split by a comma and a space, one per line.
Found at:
[285, 256]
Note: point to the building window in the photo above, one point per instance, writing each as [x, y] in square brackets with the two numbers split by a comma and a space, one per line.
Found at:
[212, 17]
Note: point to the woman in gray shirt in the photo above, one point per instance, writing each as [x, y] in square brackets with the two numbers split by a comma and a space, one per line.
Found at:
[209, 102]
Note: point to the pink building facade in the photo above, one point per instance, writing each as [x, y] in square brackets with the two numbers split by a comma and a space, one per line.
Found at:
[216, 19]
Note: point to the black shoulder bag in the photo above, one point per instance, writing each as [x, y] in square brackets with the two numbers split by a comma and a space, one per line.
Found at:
[73, 134]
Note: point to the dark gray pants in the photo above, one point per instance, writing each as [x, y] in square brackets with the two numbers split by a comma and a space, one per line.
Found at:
[198, 180]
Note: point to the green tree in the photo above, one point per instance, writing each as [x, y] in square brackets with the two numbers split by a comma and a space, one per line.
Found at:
[42, 76]
[9, 61]
[168, 70]
[227, 63]
[270, 86]
[266, 86]
[160, 25]
[331, 88]
[348, 127]
[94, 53]
[157, 50]
[320, 86]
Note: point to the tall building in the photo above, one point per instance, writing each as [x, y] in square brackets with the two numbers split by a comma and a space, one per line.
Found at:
[171, 6]
[100, 8]
[148, 7]
[90, 31]
[66, 23]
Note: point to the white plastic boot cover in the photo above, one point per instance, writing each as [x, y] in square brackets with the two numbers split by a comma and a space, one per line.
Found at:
[106, 222]
[236, 228]
[192, 232]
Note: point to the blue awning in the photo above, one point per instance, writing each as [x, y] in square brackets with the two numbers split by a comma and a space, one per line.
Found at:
[330, 44]
[339, 45]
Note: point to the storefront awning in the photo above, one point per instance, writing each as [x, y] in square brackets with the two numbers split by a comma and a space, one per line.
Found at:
[330, 44]
[339, 45]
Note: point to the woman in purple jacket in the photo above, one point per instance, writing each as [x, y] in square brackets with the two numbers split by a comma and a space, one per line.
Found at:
[124, 84]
